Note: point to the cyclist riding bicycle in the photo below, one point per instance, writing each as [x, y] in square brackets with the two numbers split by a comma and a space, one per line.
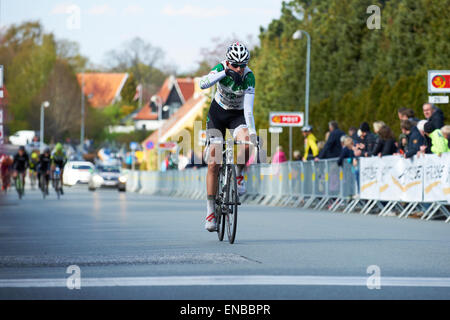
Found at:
[20, 165]
[5, 169]
[232, 108]
[59, 160]
[44, 167]
[33, 163]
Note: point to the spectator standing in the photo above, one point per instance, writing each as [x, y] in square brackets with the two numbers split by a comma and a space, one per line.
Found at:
[367, 139]
[415, 139]
[353, 133]
[385, 145]
[446, 133]
[333, 147]
[279, 156]
[407, 114]
[427, 147]
[434, 115]
[347, 150]
[439, 144]
[311, 149]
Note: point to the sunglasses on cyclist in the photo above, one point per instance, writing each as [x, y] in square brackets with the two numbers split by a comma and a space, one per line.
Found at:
[236, 65]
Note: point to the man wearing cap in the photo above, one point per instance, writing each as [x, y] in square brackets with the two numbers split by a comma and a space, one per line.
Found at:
[311, 149]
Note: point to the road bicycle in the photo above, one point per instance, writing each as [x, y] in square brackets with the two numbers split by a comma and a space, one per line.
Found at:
[227, 198]
[57, 181]
[44, 184]
[19, 184]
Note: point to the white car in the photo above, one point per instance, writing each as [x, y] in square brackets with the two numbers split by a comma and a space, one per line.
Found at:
[77, 172]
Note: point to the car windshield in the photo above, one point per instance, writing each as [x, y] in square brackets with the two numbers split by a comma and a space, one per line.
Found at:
[109, 169]
[81, 167]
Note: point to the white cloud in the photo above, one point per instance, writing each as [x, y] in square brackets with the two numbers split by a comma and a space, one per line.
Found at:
[134, 9]
[194, 11]
[101, 10]
[61, 8]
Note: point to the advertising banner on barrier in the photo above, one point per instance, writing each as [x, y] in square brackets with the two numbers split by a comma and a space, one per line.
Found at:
[392, 178]
[369, 168]
[436, 181]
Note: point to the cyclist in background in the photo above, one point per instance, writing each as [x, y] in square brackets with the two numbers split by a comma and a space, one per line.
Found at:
[5, 169]
[59, 160]
[33, 165]
[20, 165]
[232, 108]
[44, 167]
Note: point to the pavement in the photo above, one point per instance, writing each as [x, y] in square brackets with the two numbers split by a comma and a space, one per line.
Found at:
[132, 246]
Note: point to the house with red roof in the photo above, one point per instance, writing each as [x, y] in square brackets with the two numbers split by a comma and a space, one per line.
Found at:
[182, 118]
[174, 93]
[102, 89]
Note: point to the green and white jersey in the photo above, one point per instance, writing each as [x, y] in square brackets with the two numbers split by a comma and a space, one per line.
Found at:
[228, 94]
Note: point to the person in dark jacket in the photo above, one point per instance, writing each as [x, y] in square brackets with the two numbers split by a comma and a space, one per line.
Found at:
[415, 139]
[347, 151]
[333, 147]
[366, 140]
[385, 145]
[434, 115]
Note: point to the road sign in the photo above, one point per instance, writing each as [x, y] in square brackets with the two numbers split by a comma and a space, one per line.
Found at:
[167, 145]
[134, 145]
[275, 129]
[149, 145]
[438, 99]
[439, 81]
[286, 119]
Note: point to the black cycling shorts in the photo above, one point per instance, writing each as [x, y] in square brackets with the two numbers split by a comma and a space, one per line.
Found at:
[221, 119]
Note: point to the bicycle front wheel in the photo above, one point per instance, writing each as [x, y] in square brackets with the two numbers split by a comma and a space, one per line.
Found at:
[220, 218]
[231, 202]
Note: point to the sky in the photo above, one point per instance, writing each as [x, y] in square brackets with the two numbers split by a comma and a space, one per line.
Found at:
[179, 27]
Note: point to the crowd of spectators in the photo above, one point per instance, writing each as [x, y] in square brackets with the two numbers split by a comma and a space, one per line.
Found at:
[418, 137]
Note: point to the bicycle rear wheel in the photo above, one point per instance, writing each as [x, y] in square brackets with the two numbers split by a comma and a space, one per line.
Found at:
[231, 204]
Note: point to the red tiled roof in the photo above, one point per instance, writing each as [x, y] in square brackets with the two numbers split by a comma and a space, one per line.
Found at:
[186, 86]
[174, 119]
[105, 87]
[146, 114]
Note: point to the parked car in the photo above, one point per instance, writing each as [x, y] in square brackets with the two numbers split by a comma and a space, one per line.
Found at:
[22, 137]
[110, 176]
[77, 172]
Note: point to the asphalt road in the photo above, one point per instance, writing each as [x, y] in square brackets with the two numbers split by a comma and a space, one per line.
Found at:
[132, 246]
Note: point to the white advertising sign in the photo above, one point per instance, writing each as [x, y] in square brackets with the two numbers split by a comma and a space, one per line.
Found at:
[436, 181]
[392, 178]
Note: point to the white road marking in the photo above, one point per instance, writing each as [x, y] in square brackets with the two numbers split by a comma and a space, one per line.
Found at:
[257, 280]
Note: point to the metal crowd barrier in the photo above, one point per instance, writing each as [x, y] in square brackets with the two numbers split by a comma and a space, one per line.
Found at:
[315, 185]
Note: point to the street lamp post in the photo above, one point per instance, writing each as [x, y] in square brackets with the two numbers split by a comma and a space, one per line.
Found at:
[44, 104]
[157, 101]
[295, 36]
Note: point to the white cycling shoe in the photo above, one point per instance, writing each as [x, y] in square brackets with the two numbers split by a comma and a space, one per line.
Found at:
[210, 223]
[241, 189]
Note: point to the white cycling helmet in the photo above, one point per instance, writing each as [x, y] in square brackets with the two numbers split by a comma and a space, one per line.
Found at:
[238, 53]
